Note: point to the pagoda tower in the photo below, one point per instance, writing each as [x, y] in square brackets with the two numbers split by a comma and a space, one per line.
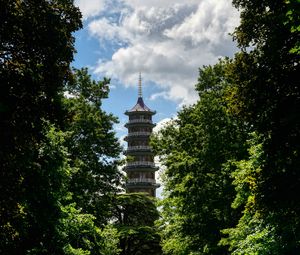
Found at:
[140, 168]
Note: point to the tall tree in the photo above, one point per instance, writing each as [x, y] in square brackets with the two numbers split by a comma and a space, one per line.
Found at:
[92, 145]
[194, 149]
[267, 95]
[36, 48]
[133, 215]
[93, 178]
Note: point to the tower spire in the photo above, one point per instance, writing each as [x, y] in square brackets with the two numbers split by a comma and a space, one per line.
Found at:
[140, 85]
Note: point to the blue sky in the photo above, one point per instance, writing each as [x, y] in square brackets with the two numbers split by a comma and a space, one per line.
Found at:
[166, 40]
[122, 96]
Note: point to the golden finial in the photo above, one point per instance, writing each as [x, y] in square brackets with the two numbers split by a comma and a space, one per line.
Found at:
[140, 85]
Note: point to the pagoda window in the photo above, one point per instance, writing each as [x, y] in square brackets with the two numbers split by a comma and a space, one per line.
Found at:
[144, 158]
[134, 117]
[138, 143]
[148, 175]
[133, 175]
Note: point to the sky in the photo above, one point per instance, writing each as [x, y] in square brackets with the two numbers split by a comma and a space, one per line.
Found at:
[166, 40]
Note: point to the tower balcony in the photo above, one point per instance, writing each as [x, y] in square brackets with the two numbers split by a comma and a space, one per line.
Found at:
[141, 182]
[140, 164]
[140, 121]
[143, 133]
[137, 134]
[138, 148]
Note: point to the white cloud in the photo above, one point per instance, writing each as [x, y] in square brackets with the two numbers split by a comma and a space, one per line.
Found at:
[122, 142]
[103, 25]
[210, 24]
[157, 3]
[162, 124]
[90, 8]
[119, 127]
[162, 94]
[167, 41]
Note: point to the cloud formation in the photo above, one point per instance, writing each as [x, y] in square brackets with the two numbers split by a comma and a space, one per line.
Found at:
[90, 8]
[166, 40]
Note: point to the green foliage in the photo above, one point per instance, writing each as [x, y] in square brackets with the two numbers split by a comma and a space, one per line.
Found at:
[33, 69]
[92, 152]
[198, 189]
[266, 94]
[81, 236]
[256, 231]
[293, 17]
[253, 236]
[92, 144]
[134, 215]
[48, 217]
[111, 239]
[84, 88]
[78, 229]
[265, 77]
[69, 250]
[46, 189]
[170, 224]
[53, 150]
